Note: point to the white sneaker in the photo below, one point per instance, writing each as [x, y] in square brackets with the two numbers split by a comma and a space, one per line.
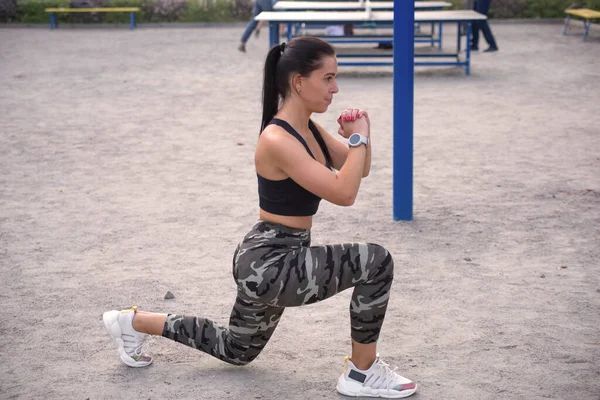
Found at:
[130, 343]
[378, 381]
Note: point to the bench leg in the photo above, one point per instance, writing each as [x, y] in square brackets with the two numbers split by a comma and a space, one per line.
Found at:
[440, 38]
[468, 46]
[566, 24]
[52, 20]
[458, 46]
[587, 24]
[273, 34]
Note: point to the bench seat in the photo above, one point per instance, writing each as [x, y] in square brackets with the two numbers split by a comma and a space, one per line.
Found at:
[130, 10]
[584, 13]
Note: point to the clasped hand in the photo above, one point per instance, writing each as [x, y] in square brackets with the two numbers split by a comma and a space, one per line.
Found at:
[354, 120]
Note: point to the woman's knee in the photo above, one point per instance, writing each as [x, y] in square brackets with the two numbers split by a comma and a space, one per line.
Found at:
[240, 362]
[247, 359]
[239, 355]
[383, 259]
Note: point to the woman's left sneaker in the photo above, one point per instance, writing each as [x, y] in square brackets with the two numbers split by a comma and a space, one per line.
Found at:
[378, 381]
[130, 343]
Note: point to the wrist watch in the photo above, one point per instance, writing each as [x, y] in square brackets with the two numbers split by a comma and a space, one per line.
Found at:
[356, 139]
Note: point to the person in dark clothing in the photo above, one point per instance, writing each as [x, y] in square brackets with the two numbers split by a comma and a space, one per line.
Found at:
[259, 6]
[483, 7]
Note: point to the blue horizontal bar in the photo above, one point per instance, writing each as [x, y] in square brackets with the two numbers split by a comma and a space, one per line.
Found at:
[350, 40]
[360, 41]
[327, 37]
[438, 64]
[390, 54]
[389, 64]
[436, 55]
[359, 64]
[364, 55]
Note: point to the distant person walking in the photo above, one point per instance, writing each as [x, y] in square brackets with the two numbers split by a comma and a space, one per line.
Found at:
[259, 6]
[483, 7]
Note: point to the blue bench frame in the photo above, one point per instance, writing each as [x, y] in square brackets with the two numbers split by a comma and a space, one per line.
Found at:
[54, 23]
[419, 38]
[274, 38]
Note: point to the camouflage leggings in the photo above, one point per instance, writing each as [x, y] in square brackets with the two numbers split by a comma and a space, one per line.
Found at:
[274, 268]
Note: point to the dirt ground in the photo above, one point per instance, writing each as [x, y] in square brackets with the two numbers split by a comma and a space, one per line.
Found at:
[126, 170]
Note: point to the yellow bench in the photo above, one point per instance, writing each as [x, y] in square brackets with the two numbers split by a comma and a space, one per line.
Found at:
[585, 13]
[130, 10]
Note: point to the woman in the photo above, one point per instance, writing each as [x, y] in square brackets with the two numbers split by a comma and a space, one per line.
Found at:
[275, 266]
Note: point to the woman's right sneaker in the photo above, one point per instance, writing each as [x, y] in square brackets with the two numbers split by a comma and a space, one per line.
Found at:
[378, 381]
[130, 343]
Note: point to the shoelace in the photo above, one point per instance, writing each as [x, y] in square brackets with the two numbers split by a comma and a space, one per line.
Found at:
[141, 349]
[387, 372]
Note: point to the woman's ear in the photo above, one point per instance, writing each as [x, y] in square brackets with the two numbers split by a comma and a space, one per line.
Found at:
[297, 83]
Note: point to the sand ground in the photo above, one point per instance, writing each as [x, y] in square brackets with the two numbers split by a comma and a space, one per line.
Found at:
[126, 170]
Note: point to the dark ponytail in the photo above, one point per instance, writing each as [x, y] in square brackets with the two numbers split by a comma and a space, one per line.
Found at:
[302, 55]
[270, 91]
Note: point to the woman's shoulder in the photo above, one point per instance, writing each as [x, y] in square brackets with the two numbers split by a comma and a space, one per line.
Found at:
[272, 133]
[275, 137]
[315, 125]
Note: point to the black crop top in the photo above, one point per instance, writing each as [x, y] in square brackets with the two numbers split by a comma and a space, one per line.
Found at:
[286, 197]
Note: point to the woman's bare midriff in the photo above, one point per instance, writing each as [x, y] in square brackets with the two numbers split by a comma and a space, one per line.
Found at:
[292, 222]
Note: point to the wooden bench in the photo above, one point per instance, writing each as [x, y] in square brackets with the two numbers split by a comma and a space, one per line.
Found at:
[130, 10]
[586, 14]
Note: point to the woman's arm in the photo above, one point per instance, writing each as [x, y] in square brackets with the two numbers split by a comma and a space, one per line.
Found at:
[339, 150]
[288, 155]
[360, 114]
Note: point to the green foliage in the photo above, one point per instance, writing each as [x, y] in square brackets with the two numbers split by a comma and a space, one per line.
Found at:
[531, 8]
[546, 8]
[165, 10]
[32, 11]
[9, 10]
[123, 17]
[219, 11]
[508, 8]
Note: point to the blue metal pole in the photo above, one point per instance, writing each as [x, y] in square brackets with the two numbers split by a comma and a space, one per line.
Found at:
[52, 20]
[131, 20]
[459, 39]
[273, 34]
[587, 25]
[404, 55]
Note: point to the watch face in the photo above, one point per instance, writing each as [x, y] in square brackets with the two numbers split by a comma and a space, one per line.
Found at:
[354, 140]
